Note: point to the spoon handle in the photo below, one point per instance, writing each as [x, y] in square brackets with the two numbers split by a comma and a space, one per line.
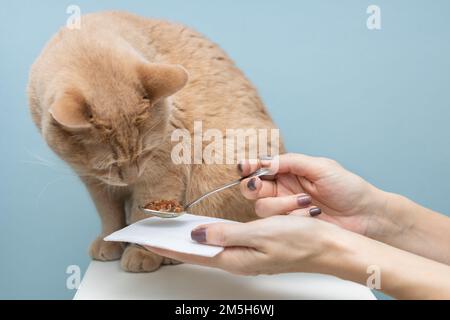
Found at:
[257, 173]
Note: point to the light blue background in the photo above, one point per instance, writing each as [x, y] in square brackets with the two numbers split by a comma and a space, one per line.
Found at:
[377, 101]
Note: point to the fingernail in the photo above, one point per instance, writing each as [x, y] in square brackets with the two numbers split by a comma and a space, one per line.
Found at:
[315, 211]
[251, 184]
[265, 161]
[199, 235]
[304, 201]
[239, 167]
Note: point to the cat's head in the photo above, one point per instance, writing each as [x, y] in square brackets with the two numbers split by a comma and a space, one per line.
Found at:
[107, 123]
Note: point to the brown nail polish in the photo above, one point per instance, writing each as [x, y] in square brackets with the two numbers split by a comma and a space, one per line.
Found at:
[199, 235]
[304, 201]
[315, 211]
[239, 167]
[251, 184]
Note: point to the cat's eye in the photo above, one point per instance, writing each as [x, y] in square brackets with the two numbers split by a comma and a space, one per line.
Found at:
[146, 97]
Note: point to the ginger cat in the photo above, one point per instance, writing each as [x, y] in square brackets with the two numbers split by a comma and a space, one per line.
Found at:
[107, 98]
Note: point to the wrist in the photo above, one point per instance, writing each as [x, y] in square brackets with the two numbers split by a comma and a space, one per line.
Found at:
[387, 217]
[378, 221]
[350, 256]
[336, 243]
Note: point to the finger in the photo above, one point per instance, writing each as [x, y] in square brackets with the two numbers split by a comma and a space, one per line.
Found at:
[227, 234]
[255, 188]
[232, 259]
[307, 212]
[183, 257]
[270, 206]
[301, 165]
[248, 166]
[305, 167]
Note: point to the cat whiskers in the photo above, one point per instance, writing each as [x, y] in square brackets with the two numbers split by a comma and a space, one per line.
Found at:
[104, 162]
[155, 125]
[44, 189]
[38, 160]
[41, 161]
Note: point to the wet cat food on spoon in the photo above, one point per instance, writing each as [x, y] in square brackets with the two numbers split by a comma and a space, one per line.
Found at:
[165, 206]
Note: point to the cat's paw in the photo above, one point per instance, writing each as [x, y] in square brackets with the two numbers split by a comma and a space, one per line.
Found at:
[168, 261]
[136, 259]
[105, 250]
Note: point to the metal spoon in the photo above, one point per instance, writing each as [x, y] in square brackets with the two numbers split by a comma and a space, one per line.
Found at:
[165, 214]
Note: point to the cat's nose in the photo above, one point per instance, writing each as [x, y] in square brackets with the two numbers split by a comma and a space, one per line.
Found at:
[129, 173]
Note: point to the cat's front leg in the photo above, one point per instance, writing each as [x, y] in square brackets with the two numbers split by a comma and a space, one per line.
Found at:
[110, 207]
[136, 258]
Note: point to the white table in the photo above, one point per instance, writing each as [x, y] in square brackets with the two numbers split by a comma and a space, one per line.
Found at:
[105, 280]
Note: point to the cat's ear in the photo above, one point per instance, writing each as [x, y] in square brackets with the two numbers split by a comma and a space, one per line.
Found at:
[71, 111]
[162, 80]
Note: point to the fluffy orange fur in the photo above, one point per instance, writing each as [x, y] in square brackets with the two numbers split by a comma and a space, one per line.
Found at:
[106, 99]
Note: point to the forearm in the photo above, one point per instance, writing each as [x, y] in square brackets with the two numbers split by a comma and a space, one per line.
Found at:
[402, 275]
[408, 226]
